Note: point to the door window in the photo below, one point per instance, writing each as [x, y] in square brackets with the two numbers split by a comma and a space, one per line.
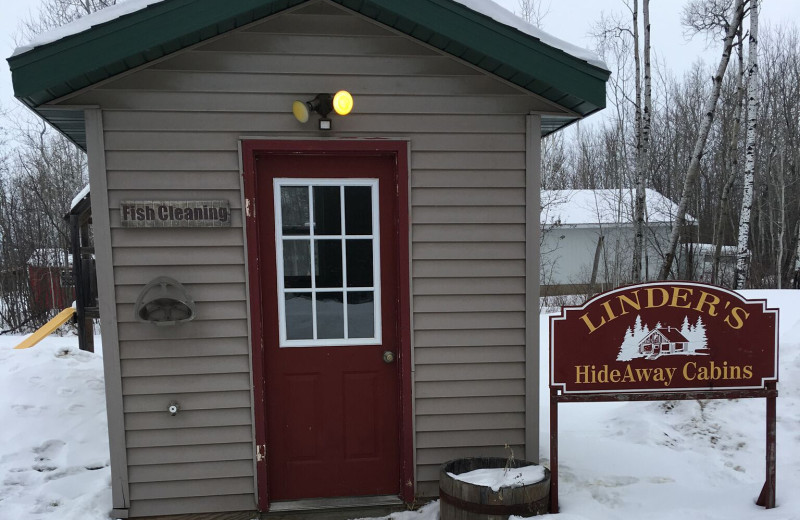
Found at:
[327, 243]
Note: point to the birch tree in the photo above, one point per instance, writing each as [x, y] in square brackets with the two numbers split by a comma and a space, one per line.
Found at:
[743, 248]
[733, 163]
[643, 118]
[708, 118]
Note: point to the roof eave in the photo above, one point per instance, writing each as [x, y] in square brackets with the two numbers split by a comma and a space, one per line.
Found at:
[54, 70]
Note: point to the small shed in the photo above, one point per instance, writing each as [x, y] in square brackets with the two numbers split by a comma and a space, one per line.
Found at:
[588, 238]
[50, 278]
[363, 298]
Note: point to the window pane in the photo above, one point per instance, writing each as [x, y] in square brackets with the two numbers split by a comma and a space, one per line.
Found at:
[297, 264]
[358, 210]
[330, 316]
[328, 268]
[361, 314]
[299, 323]
[359, 263]
[294, 210]
[327, 210]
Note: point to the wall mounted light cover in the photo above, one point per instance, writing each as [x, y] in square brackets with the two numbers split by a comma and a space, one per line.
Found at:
[342, 102]
[301, 111]
[164, 301]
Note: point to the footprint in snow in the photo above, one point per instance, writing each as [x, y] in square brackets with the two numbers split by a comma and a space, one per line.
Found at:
[49, 448]
[46, 505]
[27, 410]
[65, 391]
[44, 467]
[66, 472]
[661, 480]
[617, 481]
[75, 408]
[96, 385]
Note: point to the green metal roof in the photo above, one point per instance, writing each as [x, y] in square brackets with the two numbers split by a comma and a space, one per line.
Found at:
[53, 70]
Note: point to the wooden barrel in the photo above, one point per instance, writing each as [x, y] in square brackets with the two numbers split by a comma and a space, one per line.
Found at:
[463, 501]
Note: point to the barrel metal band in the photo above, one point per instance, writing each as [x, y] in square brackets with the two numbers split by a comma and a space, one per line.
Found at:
[537, 507]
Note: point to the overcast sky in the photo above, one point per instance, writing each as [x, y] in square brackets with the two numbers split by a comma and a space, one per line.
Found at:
[570, 20]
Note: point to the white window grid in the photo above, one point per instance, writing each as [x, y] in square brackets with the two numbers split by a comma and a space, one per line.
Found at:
[376, 339]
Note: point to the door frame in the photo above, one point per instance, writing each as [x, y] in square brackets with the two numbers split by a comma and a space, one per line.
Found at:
[399, 151]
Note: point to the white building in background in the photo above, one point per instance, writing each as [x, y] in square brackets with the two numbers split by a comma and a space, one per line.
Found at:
[578, 225]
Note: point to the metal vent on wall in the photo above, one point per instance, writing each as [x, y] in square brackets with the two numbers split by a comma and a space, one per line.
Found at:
[164, 301]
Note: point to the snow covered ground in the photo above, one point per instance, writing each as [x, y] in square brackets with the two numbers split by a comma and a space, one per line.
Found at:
[53, 435]
[619, 461]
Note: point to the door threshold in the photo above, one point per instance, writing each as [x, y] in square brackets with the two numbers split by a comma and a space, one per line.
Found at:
[320, 504]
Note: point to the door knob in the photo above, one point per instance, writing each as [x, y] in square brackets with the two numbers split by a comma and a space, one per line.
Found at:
[388, 356]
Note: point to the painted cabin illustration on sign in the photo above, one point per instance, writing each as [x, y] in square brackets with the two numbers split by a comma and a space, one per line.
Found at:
[641, 341]
[661, 341]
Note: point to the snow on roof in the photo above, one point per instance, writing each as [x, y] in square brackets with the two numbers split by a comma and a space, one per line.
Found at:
[506, 17]
[670, 334]
[79, 197]
[85, 23]
[594, 207]
[485, 7]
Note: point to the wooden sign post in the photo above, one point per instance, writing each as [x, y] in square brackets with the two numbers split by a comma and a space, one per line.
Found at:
[665, 341]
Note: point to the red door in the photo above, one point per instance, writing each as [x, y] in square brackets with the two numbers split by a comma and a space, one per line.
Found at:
[327, 245]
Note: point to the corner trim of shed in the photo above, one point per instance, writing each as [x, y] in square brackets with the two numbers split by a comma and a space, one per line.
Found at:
[67, 65]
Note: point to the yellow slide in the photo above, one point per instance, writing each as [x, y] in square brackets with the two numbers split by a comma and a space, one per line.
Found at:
[47, 329]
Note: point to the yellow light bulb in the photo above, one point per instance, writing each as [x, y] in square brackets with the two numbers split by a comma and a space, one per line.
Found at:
[300, 111]
[342, 102]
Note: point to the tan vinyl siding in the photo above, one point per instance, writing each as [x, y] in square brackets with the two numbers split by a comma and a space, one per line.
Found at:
[171, 132]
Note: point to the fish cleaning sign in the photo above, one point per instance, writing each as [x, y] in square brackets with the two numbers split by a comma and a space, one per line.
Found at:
[174, 213]
[664, 337]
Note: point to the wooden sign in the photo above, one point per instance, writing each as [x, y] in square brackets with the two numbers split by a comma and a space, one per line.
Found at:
[665, 340]
[664, 337]
[175, 214]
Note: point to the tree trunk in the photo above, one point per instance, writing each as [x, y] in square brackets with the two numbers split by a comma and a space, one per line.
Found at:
[638, 213]
[781, 233]
[733, 166]
[593, 281]
[702, 137]
[743, 248]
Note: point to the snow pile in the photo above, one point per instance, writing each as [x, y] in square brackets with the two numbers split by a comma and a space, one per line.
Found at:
[496, 478]
[54, 461]
[429, 511]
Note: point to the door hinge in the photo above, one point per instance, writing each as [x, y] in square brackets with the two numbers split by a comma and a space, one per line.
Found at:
[261, 452]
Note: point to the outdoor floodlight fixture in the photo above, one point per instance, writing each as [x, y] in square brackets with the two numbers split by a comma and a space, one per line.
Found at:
[341, 103]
